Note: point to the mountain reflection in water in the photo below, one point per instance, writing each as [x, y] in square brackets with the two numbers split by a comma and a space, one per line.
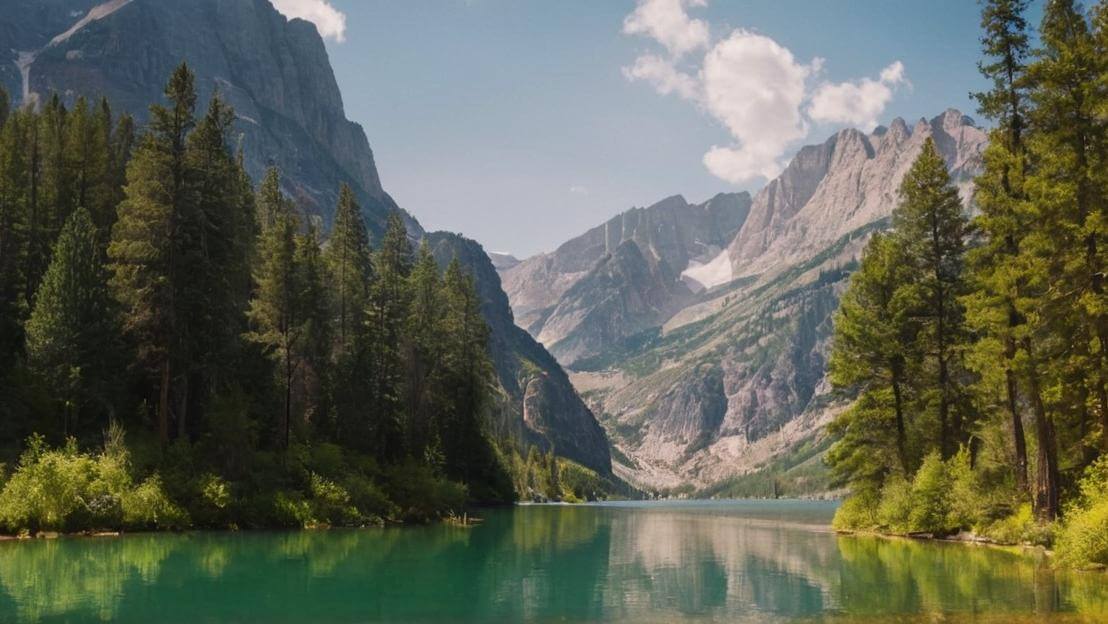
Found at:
[642, 562]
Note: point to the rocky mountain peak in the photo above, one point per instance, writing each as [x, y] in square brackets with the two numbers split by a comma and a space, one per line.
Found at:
[843, 184]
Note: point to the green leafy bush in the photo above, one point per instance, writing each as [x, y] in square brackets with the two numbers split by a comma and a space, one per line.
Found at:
[964, 501]
[1083, 539]
[858, 512]
[896, 506]
[422, 495]
[931, 505]
[148, 507]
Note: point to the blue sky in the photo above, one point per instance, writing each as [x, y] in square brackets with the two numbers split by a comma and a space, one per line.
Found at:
[523, 123]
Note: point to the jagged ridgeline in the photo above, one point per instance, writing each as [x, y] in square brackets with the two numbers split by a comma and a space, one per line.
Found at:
[699, 333]
[278, 353]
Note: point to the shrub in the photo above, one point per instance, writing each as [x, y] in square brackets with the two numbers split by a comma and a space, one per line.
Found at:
[423, 495]
[858, 512]
[330, 503]
[148, 507]
[371, 502]
[49, 489]
[930, 497]
[1083, 539]
[895, 506]
[965, 503]
[291, 510]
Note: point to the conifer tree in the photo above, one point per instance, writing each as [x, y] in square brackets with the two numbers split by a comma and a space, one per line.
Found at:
[873, 354]
[468, 375]
[275, 324]
[350, 276]
[424, 331]
[392, 264]
[1000, 198]
[930, 225]
[146, 245]
[72, 333]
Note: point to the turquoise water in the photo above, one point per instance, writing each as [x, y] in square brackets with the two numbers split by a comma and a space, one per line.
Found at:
[632, 562]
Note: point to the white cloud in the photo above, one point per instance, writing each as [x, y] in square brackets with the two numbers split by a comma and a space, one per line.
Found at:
[858, 102]
[330, 22]
[666, 22]
[664, 76]
[750, 84]
[755, 88]
[579, 190]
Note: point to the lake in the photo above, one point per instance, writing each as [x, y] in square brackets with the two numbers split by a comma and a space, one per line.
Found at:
[762, 562]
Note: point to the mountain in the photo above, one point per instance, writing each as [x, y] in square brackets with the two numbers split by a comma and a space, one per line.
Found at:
[623, 276]
[274, 71]
[538, 403]
[733, 383]
[276, 74]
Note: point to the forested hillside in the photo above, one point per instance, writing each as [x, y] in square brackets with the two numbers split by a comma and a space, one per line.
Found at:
[182, 349]
[978, 349]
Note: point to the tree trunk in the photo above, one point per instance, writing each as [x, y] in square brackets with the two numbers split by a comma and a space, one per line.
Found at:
[901, 437]
[1045, 498]
[1019, 438]
[163, 404]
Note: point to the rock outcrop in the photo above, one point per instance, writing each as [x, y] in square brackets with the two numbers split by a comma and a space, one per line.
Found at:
[736, 375]
[276, 74]
[274, 71]
[538, 404]
[621, 277]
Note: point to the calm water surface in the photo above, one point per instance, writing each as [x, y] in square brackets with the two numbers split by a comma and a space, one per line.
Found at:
[632, 562]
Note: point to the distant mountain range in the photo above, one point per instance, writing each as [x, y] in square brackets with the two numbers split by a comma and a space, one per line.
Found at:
[276, 74]
[699, 333]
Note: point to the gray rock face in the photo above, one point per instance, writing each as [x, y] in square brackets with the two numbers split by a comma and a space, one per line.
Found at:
[850, 180]
[620, 277]
[737, 375]
[276, 74]
[274, 71]
[538, 404]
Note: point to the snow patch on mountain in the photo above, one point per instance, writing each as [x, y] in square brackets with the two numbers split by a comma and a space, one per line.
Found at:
[716, 272]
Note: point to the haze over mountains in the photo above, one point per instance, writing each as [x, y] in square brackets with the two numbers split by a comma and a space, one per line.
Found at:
[276, 74]
[699, 334]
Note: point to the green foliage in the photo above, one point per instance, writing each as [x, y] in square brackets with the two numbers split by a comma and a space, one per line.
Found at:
[858, 512]
[147, 506]
[1083, 538]
[931, 489]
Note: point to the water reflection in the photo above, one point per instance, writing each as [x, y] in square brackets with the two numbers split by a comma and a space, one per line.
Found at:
[768, 562]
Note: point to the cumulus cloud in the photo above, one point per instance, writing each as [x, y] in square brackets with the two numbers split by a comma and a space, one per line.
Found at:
[858, 102]
[330, 22]
[752, 85]
[755, 88]
[666, 22]
[664, 76]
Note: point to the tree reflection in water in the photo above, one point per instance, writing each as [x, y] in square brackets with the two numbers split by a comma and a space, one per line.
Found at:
[642, 563]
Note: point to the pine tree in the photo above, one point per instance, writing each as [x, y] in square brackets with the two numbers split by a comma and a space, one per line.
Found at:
[218, 227]
[350, 277]
[270, 201]
[72, 333]
[467, 376]
[873, 354]
[274, 319]
[424, 332]
[14, 225]
[931, 226]
[992, 307]
[349, 265]
[147, 239]
[388, 306]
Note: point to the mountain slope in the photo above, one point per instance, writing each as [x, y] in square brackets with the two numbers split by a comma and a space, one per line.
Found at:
[538, 403]
[622, 276]
[737, 376]
[276, 74]
[274, 71]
